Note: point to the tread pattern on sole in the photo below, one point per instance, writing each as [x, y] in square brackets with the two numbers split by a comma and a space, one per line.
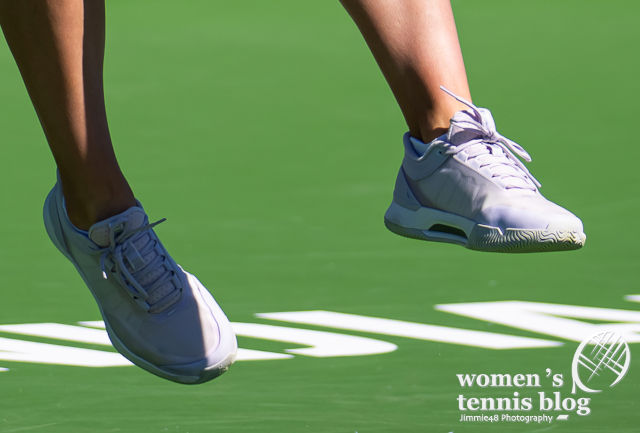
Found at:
[485, 238]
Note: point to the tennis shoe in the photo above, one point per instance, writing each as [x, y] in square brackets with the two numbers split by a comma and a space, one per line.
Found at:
[157, 315]
[468, 187]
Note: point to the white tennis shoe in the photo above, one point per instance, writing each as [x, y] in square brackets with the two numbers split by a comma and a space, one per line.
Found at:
[467, 187]
[157, 315]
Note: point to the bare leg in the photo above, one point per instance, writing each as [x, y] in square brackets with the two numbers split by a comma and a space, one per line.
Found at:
[415, 43]
[59, 48]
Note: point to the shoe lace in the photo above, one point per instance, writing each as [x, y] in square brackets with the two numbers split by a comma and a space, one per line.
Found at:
[493, 150]
[131, 264]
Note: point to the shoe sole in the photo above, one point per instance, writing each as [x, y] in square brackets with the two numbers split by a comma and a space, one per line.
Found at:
[438, 226]
[207, 374]
[227, 339]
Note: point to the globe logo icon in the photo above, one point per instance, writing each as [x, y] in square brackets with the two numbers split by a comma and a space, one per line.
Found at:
[600, 361]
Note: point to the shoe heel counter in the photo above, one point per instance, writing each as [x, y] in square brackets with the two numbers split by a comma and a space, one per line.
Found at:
[402, 193]
[52, 224]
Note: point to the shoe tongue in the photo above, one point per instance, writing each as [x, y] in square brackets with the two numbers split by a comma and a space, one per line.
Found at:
[125, 222]
[468, 125]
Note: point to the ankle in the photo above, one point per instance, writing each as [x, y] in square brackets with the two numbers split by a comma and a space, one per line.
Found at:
[427, 134]
[430, 128]
[435, 123]
[88, 205]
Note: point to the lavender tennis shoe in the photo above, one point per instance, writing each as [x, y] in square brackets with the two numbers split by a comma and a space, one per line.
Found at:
[468, 188]
[157, 315]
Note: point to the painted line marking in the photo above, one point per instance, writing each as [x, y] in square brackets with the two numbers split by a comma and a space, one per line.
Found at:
[320, 344]
[400, 328]
[60, 331]
[555, 320]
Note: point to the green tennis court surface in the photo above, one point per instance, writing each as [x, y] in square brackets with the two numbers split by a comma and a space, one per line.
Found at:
[266, 135]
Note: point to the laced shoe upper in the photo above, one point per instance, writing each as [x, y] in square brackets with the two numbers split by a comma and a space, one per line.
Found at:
[473, 137]
[474, 172]
[131, 253]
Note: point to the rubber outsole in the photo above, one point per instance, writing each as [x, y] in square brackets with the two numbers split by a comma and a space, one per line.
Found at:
[207, 374]
[419, 224]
